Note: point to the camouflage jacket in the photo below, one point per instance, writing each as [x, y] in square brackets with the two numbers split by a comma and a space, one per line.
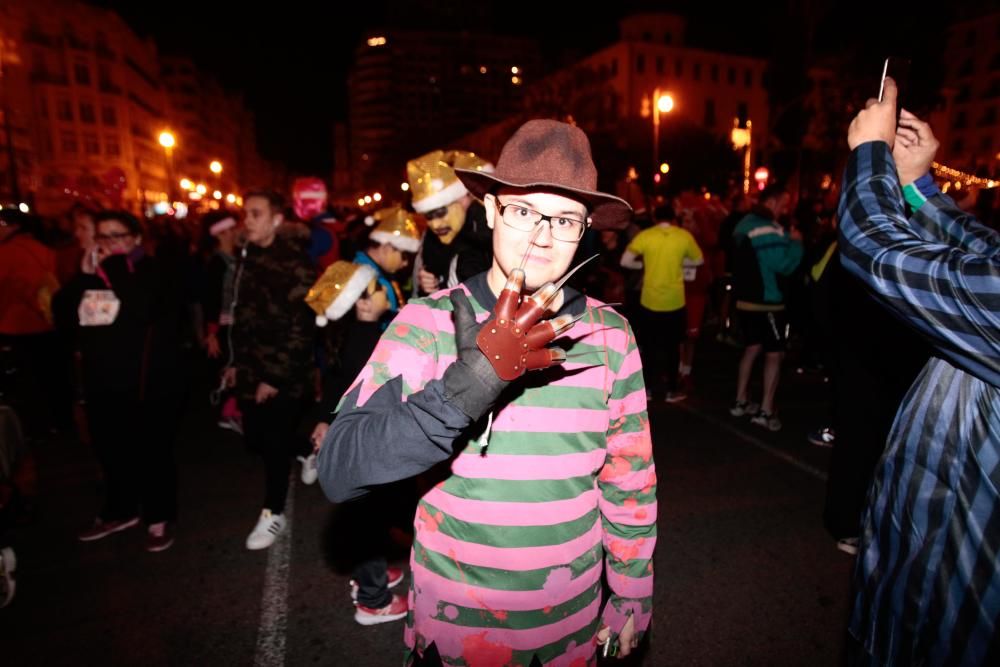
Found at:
[273, 327]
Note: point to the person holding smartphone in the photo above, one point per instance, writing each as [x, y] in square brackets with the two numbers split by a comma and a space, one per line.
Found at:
[927, 585]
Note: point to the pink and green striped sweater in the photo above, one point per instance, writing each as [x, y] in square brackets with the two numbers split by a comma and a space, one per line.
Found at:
[510, 547]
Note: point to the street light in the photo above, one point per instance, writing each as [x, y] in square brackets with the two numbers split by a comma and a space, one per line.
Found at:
[215, 167]
[168, 141]
[662, 103]
[742, 138]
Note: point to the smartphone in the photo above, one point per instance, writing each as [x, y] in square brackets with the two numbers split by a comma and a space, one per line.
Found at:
[899, 70]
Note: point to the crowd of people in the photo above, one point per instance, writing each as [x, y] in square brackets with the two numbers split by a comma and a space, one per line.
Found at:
[407, 356]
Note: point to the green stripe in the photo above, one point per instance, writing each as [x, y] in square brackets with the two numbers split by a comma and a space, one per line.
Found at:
[632, 423]
[541, 444]
[627, 385]
[616, 496]
[583, 353]
[477, 617]
[554, 396]
[497, 579]
[520, 491]
[637, 569]
[514, 536]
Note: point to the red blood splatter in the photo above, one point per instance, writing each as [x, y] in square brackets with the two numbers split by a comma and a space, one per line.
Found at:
[579, 662]
[402, 330]
[431, 523]
[481, 653]
[624, 550]
[630, 503]
[547, 609]
[500, 615]
[641, 514]
[636, 444]
[614, 468]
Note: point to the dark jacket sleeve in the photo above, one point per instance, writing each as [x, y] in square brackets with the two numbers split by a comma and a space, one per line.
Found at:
[387, 439]
[395, 421]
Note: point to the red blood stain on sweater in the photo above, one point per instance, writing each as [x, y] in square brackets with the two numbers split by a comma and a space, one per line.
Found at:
[479, 652]
[616, 467]
[641, 514]
[626, 550]
[402, 330]
[430, 522]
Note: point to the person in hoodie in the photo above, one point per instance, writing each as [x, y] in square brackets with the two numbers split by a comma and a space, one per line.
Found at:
[125, 312]
[272, 340]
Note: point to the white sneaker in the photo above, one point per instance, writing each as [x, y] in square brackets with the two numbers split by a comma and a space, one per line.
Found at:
[268, 527]
[309, 472]
[849, 545]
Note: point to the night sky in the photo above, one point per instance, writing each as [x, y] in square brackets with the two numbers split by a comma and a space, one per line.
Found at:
[292, 66]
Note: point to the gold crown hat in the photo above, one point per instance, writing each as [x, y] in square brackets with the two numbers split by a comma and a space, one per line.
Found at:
[337, 290]
[399, 228]
[432, 178]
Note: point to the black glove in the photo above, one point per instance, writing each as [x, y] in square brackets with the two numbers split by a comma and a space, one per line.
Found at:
[470, 384]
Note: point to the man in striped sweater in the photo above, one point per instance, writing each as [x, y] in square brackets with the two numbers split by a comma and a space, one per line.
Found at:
[927, 581]
[511, 544]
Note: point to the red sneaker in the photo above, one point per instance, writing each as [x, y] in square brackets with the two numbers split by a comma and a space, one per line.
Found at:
[395, 610]
[395, 575]
[159, 537]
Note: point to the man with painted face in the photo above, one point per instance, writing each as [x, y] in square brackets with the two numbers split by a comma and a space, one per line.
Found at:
[458, 242]
[547, 478]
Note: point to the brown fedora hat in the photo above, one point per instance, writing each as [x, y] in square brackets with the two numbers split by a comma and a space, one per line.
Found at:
[552, 155]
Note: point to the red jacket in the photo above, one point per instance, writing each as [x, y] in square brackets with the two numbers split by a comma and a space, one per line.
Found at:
[27, 283]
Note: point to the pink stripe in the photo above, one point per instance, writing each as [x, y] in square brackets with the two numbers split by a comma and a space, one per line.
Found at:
[629, 405]
[632, 514]
[637, 480]
[523, 468]
[518, 559]
[452, 639]
[550, 420]
[630, 587]
[511, 513]
[434, 588]
[631, 364]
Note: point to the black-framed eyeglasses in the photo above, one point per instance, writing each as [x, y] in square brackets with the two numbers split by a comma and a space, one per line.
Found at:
[524, 219]
[117, 236]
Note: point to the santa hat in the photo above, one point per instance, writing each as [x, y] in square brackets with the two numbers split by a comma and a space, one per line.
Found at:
[337, 290]
[432, 179]
[398, 227]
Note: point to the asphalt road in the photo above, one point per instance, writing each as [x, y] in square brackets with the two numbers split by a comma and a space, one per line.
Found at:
[745, 573]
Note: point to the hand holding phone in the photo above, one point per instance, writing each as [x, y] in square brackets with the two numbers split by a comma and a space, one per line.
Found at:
[898, 69]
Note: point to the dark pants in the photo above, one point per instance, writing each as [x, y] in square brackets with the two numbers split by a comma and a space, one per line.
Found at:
[271, 429]
[134, 441]
[367, 522]
[660, 337]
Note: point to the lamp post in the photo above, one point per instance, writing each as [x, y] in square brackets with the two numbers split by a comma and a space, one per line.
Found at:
[662, 103]
[168, 141]
[742, 138]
